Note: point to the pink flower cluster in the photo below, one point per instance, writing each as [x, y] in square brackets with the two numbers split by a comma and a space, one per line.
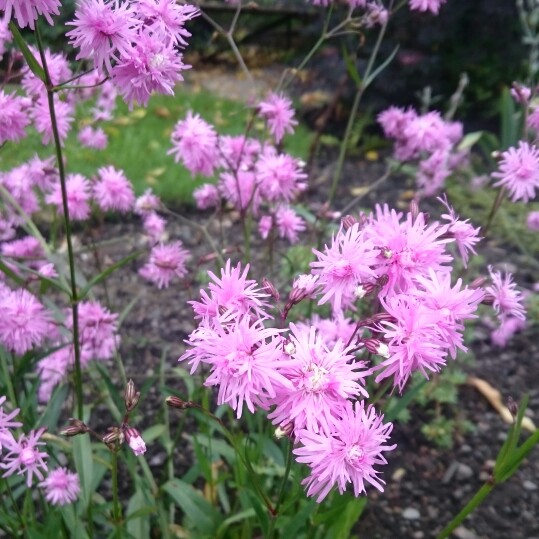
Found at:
[253, 177]
[134, 42]
[427, 139]
[23, 455]
[433, 6]
[310, 377]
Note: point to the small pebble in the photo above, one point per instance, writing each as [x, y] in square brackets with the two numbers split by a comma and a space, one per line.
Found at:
[464, 533]
[464, 471]
[410, 513]
[529, 485]
[418, 535]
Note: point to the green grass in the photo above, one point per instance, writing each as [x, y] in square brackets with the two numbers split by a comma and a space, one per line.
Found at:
[139, 141]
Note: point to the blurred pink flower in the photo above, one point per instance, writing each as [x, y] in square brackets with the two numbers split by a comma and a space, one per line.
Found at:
[194, 143]
[147, 203]
[78, 197]
[348, 454]
[6, 422]
[13, 118]
[533, 220]
[519, 171]
[24, 323]
[61, 487]
[279, 114]
[506, 299]
[93, 138]
[154, 225]
[206, 196]
[26, 12]
[166, 261]
[40, 115]
[426, 5]
[113, 191]
[289, 223]
[241, 190]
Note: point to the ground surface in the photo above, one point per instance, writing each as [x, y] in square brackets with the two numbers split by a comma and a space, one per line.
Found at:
[425, 485]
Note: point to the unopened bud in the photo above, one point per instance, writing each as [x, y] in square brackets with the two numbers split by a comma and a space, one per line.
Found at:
[131, 396]
[414, 210]
[512, 406]
[284, 430]
[304, 286]
[176, 402]
[479, 282]
[114, 435]
[348, 221]
[135, 441]
[269, 288]
[375, 346]
[76, 426]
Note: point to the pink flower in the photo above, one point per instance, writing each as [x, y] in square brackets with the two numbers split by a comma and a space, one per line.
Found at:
[18, 182]
[147, 203]
[344, 266]
[466, 236]
[506, 299]
[6, 422]
[113, 191]
[53, 369]
[135, 441]
[507, 328]
[194, 143]
[265, 224]
[408, 247]
[280, 176]
[26, 12]
[61, 487]
[232, 292]
[13, 118]
[78, 197]
[244, 357]
[348, 454]
[206, 196]
[414, 339]
[519, 172]
[59, 71]
[321, 380]
[238, 152]
[289, 223]
[533, 220]
[25, 457]
[394, 119]
[150, 65]
[166, 261]
[167, 18]
[426, 5]
[24, 322]
[241, 190]
[279, 113]
[102, 29]
[154, 226]
[5, 35]
[93, 138]
[42, 120]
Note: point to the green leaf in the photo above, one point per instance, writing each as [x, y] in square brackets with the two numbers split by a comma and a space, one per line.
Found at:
[394, 408]
[381, 67]
[203, 516]
[238, 517]
[54, 407]
[298, 521]
[343, 525]
[105, 273]
[33, 64]
[351, 66]
[72, 522]
[137, 509]
[469, 140]
[153, 432]
[82, 454]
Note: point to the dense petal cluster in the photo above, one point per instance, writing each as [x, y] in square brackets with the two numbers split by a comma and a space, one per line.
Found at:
[61, 487]
[26, 12]
[13, 117]
[348, 454]
[519, 172]
[113, 191]
[278, 112]
[166, 261]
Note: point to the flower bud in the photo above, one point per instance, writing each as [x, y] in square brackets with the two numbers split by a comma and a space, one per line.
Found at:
[176, 402]
[269, 288]
[76, 426]
[375, 346]
[284, 430]
[478, 282]
[512, 406]
[348, 221]
[135, 441]
[131, 396]
[114, 435]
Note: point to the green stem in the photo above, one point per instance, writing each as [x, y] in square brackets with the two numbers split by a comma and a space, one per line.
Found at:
[67, 224]
[355, 106]
[478, 498]
[280, 495]
[493, 210]
[116, 509]
[8, 379]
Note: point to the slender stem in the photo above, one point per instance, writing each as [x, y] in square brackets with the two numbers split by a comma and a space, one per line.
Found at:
[8, 379]
[280, 495]
[478, 498]
[493, 210]
[116, 509]
[355, 106]
[67, 224]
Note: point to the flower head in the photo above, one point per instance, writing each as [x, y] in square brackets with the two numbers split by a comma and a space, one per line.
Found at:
[61, 487]
[113, 191]
[506, 299]
[166, 261]
[346, 455]
[13, 118]
[26, 12]
[78, 197]
[279, 113]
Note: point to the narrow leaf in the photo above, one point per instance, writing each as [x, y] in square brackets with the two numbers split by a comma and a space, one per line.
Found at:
[33, 64]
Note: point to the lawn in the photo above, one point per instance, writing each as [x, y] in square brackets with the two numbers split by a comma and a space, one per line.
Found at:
[139, 141]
